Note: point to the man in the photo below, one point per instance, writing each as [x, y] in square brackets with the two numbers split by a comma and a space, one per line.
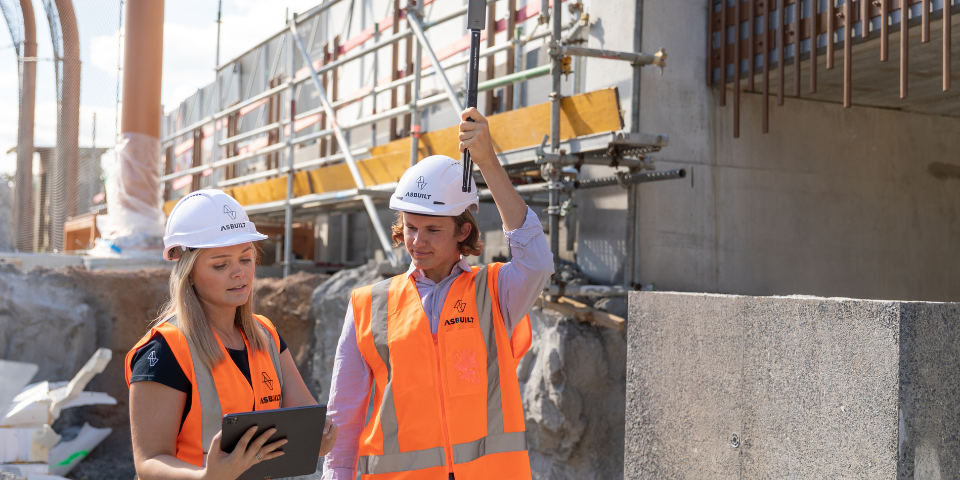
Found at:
[438, 346]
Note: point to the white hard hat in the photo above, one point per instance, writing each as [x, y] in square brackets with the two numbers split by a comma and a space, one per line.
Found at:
[434, 186]
[207, 219]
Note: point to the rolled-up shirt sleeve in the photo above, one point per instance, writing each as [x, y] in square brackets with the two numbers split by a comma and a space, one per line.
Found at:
[349, 395]
[522, 279]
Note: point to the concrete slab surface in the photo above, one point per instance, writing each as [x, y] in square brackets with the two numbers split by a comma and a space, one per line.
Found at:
[723, 386]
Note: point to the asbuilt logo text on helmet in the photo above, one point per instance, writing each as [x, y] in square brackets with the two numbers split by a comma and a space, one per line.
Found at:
[418, 195]
[231, 226]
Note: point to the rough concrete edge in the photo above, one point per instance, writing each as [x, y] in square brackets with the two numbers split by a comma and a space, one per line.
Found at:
[793, 297]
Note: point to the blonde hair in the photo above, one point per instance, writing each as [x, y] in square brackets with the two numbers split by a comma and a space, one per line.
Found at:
[193, 321]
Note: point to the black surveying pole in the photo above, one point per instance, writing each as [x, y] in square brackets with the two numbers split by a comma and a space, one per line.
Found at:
[476, 20]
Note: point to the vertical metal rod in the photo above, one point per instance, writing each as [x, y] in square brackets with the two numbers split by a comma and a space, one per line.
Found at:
[904, 45]
[415, 92]
[709, 65]
[765, 100]
[491, 65]
[347, 155]
[215, 148]
[373, 89]
[752, 36]
[518, 62]
[417, 27]
[831, 29]
[946, 44]
[884, 30]
[288, 207]
[864, 18]
[814, 43]
[847, 52]
[723, 53]
[394, 68]
[554, 208]
[781, 38]
[628, 269]
[796, 48]
[736, 70]
[509, 90]
[925, 31]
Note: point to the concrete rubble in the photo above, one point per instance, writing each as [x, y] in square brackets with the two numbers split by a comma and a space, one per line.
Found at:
[29, 446]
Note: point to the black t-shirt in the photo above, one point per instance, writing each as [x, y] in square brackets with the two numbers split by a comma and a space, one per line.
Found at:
[155, 362]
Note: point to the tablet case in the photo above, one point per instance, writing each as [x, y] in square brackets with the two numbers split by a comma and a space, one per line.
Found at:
[301, 426]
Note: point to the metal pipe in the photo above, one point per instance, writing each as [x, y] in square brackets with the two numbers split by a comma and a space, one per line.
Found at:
[659, 59]
[797, 51]
[351, 164]
[765, 101]
[317, 162]
[905, 47]
[751, 47]
[946, 45]
[640, 177]
[814, 44]
[417, 28]
[288, 208]
[514, 78]
[188, 130]
[925, 19]
[256, 98]
[848, 53]
[632, 194]
[68, 125]
[885, 30]
[251, 133]
[723, 53]
[587, 290]
[736, 71]
[450, 16]
[25, 126]
[864, 19]
[511, 66]
[565, 160]
[417, 67]
[781, 62]
[554, 173]
[317, 10]
[518, 61]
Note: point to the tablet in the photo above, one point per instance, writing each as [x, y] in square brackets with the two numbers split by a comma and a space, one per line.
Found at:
[301, 426]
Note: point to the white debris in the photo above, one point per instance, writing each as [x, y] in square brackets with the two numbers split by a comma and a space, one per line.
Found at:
[28, 445]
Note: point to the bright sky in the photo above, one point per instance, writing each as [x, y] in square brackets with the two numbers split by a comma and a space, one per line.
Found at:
[190, 35]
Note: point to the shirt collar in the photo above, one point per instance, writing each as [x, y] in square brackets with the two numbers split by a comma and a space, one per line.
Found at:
[417, 273]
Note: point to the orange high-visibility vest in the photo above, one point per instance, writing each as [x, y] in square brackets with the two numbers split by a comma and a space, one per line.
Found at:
[219, 392]
[444, 403]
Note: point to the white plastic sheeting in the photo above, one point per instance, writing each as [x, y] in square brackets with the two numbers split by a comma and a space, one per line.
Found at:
[133, 226]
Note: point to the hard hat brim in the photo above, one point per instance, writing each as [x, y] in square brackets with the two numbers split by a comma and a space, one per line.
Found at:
[451, 211]
[229, 241]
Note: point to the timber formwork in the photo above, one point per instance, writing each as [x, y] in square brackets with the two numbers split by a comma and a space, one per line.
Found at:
[247, 133]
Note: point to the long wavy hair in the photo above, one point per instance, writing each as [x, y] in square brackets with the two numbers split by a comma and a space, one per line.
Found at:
[194, 322]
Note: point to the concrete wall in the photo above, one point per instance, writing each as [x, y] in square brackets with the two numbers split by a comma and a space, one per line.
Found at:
[791, 387]
[831, 202]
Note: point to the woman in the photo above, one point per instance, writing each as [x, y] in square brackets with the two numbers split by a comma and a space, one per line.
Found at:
[207, 354]
[438, 347]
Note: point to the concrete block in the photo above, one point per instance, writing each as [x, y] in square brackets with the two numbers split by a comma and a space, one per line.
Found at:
[791, 387]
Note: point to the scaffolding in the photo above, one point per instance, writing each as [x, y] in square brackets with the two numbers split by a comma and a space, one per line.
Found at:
[268, 147]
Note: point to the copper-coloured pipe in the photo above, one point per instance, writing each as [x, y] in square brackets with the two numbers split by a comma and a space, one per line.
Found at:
[780, 37]
[904, 45]
[723, 53]
[847, 51]
[736, 70]
[796, 49]
[831, 27]
[925, 31]
[766, 67]
[884, 30]
[946, 45]
[710, 44]
[751, 50]
[814, 44]
[865, 18]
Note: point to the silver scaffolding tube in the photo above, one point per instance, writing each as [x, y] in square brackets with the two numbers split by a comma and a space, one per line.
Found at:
[288, 207]
[341, 139]
[417, 27]
[414, 9]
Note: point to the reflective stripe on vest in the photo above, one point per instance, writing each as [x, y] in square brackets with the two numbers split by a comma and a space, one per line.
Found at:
[211, 412]
[496, 441]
